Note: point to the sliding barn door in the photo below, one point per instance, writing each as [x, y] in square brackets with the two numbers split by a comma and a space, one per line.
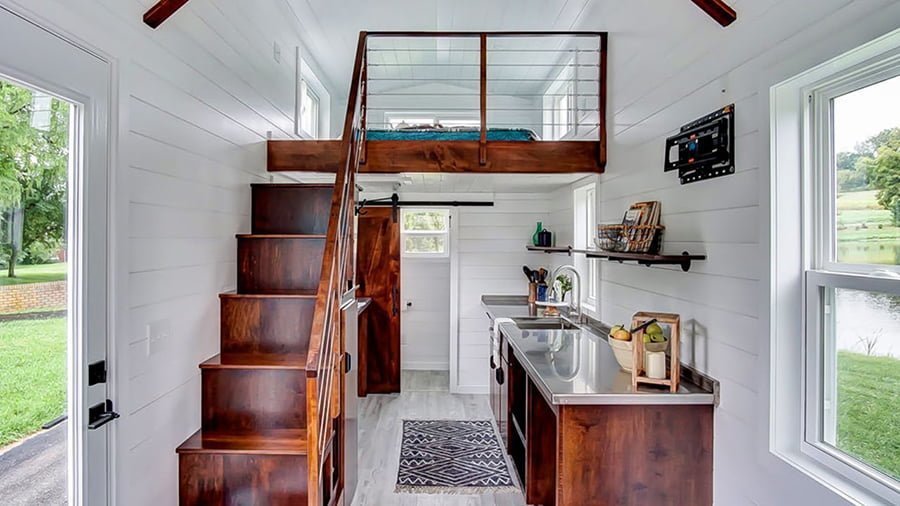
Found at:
[378, 274]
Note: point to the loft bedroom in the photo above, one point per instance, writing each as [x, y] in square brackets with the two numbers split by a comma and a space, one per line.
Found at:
[500, 102]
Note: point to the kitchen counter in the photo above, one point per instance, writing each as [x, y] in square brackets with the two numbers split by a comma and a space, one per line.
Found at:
[577, 366]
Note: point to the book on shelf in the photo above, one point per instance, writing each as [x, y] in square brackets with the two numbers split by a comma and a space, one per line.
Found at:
[640, 214]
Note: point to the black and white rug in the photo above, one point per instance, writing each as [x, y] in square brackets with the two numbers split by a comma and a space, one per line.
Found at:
[452, 457]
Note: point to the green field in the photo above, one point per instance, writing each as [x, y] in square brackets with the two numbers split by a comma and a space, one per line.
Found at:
[32, 375]
[865, 231]
[869, 410]
[26, 274]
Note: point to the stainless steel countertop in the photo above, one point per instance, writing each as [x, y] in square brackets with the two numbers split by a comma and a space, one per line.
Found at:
[577, 366]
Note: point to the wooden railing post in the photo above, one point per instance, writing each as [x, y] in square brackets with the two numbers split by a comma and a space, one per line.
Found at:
[364, 113]
[482, 145]
[601, 103]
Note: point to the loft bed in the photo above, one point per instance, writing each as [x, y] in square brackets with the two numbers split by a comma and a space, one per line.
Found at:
[499, 97]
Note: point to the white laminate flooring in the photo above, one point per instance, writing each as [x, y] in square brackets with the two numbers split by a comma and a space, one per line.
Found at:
[425, 396]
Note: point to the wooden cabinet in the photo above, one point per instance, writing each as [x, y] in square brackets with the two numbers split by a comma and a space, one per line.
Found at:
[572, 455]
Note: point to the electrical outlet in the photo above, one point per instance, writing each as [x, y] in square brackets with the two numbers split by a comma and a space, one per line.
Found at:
[158, 332]
[276, 52]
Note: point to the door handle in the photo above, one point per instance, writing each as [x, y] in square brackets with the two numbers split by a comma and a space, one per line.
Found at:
[101, 414]
[348, 362]
[500, 377]
[493, 365]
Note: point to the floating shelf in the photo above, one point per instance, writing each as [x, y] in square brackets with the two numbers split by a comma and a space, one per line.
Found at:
[684, 260]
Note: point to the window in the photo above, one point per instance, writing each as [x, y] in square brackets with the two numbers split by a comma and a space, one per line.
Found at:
[585, 199]
[561, 123]
[425, 233]
[426, 119]
[309, 112]
[852, 279]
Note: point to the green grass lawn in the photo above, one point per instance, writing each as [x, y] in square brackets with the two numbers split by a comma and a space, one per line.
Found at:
[32, 375]
[878, 242]
[869, 410]
[34, 274]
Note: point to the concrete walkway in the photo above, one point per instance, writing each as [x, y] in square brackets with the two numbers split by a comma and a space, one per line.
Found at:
[34, 471]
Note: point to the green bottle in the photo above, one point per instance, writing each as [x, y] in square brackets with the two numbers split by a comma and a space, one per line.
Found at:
[534, 238]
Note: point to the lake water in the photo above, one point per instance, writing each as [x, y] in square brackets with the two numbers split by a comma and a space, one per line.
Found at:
[863, 316]
[876, 252]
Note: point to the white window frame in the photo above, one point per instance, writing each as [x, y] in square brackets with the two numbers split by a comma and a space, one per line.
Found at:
[824, 274]
[311, 102]
[799, 275]
[425, 233]
[585, 225]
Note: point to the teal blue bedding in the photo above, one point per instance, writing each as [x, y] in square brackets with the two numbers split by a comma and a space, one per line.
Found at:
[493, 134]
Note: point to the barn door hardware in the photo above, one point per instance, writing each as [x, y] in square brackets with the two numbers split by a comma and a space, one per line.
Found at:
[395, 202]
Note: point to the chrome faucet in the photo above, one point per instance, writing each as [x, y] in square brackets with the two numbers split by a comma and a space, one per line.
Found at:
[575, 303]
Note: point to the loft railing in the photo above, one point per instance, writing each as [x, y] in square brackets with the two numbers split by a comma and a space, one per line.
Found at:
[548, 86]
[325, 360]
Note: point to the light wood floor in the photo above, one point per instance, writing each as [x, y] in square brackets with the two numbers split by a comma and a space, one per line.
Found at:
[425, 396]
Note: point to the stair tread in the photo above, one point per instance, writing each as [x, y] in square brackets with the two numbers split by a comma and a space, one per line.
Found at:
[293, 294]
[295, 361]
[273, 442]
[280, 236]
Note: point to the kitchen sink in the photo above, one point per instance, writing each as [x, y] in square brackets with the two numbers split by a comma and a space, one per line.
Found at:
[544, 324]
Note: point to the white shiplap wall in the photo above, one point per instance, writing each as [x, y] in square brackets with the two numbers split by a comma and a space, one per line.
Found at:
[724, 299]
[491, 255]
[195, 102]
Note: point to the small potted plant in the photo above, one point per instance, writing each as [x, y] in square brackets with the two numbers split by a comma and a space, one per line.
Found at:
[565, 286]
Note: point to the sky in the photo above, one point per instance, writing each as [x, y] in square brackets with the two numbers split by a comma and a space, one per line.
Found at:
[866, 112]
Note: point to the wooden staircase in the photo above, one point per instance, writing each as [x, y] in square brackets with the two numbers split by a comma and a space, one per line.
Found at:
[252, 447]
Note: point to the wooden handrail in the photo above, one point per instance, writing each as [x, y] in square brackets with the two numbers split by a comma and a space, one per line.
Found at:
[324, 366]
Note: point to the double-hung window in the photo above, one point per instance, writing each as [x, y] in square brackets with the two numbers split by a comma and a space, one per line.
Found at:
[851, 203]
[425, 233]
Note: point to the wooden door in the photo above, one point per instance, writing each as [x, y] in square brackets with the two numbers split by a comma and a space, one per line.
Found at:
[378, 274]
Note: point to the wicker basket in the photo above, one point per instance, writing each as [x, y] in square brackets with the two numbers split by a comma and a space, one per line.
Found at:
[630, 238]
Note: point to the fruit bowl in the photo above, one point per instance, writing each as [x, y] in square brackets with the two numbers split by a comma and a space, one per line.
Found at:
[623, 351]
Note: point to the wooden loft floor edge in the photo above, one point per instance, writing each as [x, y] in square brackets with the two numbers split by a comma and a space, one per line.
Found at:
[391, 157]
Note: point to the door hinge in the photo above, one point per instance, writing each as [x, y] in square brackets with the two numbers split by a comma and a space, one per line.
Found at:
[97, 373]
[101, 414]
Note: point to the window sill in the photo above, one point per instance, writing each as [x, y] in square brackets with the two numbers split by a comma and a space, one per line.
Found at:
[836, 482]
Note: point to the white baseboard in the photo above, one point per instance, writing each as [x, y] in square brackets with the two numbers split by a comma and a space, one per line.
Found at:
[426, 366]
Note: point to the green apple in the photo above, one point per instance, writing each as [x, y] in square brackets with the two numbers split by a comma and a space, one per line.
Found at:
[654, 328]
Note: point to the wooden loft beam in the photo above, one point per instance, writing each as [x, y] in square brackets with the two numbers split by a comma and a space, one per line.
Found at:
[394, 157]
[718, 10]
[162, 11]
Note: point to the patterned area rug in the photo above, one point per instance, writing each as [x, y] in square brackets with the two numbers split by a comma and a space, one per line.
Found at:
[452, 457]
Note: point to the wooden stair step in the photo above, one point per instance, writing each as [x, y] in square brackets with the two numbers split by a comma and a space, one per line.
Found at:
[274, 442]
[279, 263]
[291, 361]
[266, 323]
[253, 399]
[291, 208]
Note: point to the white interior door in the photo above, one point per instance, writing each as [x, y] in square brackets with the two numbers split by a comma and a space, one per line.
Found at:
[38, 58]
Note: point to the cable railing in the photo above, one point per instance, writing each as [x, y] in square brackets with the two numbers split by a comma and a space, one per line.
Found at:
[484, 87]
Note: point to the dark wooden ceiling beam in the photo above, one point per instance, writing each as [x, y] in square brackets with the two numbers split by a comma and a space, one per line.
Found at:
[718, 10]
[162, 11]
